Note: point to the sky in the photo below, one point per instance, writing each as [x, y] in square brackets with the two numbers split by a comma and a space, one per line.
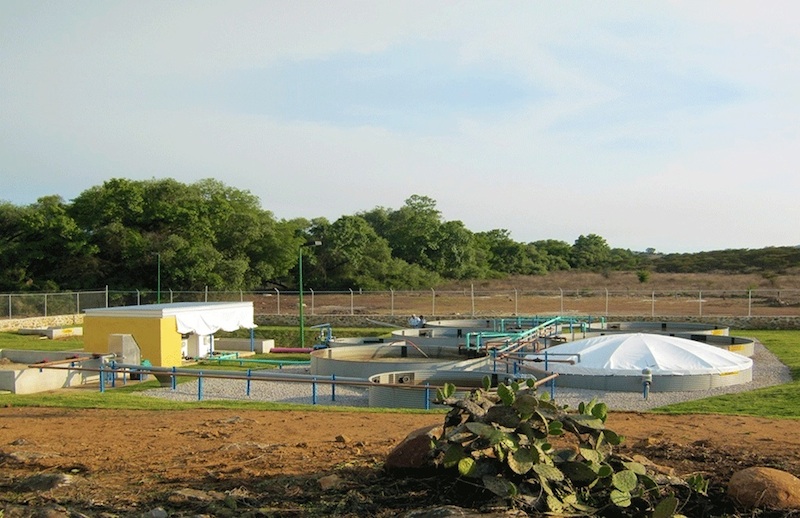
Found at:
[671, 125]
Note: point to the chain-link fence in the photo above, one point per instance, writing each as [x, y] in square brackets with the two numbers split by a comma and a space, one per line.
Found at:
[435, 303]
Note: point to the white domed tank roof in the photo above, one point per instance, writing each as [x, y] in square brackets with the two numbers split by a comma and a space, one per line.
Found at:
[628, 354]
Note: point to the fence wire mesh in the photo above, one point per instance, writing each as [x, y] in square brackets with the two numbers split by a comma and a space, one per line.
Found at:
[434, 303]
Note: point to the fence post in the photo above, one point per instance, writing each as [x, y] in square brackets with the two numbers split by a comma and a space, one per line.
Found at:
[278, 294]
[138, 298]
[79, 295]
[314, 391]
[472, 298]
[391, 301]
[433, 302]
[606, 301]
[516, 303]
[562, 300]
[351, 301]
[312, 300]
[700, 302]
[427, 396]
[653, 306]
[749, 303]
[45, 304]
[206, 293]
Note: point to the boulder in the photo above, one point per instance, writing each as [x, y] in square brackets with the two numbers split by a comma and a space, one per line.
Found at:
[413, 453]
[766, 488]
[331, 482]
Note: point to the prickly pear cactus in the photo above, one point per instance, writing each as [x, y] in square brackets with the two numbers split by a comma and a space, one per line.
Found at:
[501, 439]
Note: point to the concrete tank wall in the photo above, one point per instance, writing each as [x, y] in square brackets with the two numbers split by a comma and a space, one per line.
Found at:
[366, 360]
[31, 380]
[661, 383]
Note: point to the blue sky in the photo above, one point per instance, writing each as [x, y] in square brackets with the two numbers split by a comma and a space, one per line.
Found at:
[671, 125]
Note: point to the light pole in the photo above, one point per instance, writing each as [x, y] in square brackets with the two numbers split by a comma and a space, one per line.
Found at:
[300, 271]
[158, 285]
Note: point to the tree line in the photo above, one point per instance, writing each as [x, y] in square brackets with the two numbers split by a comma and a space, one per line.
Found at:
[207, 234]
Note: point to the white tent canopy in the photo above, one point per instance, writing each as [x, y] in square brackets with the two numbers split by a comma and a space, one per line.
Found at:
[629, 353]
[201, 318]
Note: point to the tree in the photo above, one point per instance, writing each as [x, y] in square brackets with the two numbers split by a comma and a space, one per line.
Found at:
[507, 256]
[13, 272]
[624, 259]
[455, 254]
[590, 252]
[354, 256]
[413, 232]
[206, 234]
[351, 254]
[43, 248]
[556, 254]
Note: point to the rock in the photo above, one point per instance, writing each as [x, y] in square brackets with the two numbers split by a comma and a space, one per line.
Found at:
[413, 452]
[331, 482]
[189, 494]
[768, 488]
[158, 512]
[652, 466]
[45, 481]
[342, 439]
[55, 511]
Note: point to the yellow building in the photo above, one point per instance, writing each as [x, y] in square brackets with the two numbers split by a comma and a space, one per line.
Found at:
[166, 333]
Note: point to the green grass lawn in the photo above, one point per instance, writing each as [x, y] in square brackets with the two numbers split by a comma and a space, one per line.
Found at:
[37, 343]
[781, 401]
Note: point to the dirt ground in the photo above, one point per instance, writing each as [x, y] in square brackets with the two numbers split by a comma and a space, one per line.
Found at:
[64, 462]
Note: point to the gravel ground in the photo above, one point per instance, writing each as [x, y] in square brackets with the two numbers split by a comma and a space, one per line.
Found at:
[767, 371]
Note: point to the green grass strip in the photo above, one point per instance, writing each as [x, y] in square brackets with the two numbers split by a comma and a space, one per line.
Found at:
[778, 402]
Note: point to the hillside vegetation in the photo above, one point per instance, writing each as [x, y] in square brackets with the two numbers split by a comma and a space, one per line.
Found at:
[162, 234]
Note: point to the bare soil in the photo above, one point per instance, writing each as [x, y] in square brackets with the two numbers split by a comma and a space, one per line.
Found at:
[65, 462]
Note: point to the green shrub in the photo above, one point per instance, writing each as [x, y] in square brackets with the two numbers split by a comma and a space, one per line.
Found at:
[501, 441]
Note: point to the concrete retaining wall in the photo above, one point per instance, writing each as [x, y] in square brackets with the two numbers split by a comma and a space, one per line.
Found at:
[243, 344]
[41, 322]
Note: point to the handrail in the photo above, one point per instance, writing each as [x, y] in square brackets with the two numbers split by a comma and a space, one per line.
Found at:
[296, 378]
